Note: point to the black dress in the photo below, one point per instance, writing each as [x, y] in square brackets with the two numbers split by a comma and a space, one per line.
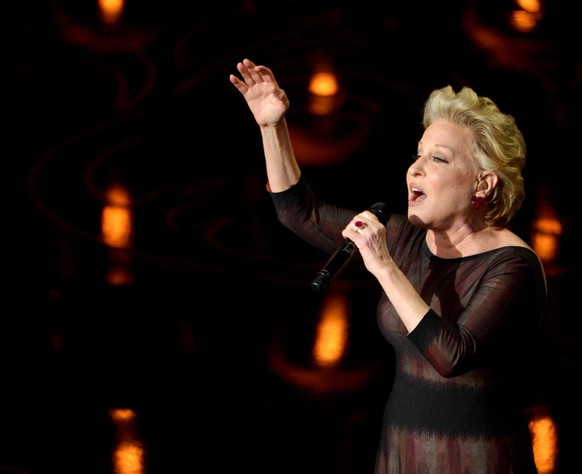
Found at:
[456, 404]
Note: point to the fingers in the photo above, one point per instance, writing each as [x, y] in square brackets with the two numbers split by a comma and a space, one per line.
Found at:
[248, 63]
[246, 71]
[359, 226]
[260, 74]
[362, 221]
[257, 81]
[253, 74]
[240, 85]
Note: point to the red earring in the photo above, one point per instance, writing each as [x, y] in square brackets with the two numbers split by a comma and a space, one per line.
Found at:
[477, 201]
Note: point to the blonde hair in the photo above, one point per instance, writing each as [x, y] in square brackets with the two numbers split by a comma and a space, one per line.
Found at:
[498, 145]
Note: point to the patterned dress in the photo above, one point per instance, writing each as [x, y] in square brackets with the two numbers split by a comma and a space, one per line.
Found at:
[456, 404]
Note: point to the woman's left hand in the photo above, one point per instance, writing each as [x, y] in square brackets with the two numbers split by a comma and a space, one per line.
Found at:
[369, 235]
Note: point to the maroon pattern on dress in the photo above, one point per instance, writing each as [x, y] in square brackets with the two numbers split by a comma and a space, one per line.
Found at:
[456, 405]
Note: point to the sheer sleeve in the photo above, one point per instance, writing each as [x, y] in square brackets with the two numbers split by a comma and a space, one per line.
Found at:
[500, 318]
[313, 220]
[484, 308]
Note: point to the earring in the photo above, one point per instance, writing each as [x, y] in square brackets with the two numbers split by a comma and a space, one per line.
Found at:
[477, 201]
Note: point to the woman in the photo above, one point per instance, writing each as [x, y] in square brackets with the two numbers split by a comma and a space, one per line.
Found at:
[463, 295]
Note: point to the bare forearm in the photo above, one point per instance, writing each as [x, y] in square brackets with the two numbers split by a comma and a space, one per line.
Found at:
[282, 168]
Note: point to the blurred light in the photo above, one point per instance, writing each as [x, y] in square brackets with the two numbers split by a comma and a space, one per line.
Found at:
[545, 442]
[110, 11]
[545, 237]
[116, 225]
[128, 452]
[331, 332]
[523, 21]
[117, 233]
[119, 276]
[546, 228]
[324, 84]
[323, 89]
[526, 19]
[532, 6]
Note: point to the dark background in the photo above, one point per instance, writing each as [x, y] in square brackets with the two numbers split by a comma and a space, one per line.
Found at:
[209, 343]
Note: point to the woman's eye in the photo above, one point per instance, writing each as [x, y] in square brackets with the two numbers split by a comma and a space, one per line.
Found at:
[438, 158]
[433, 157]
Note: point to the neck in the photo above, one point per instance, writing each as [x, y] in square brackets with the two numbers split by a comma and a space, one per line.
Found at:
[462, 242]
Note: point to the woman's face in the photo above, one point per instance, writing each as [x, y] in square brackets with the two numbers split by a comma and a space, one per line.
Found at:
[442, 178]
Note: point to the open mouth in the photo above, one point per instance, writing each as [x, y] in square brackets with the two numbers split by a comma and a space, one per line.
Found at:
[415, 195]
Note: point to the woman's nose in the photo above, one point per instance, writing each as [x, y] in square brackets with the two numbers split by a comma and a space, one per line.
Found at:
[415, 168]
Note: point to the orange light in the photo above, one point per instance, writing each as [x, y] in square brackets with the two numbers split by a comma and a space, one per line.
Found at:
[527, 18]
[524, 21]
[323, 83]
[545, 442]
[532, 6]
[332, 332]
[116, 227]
[117, 233]
[110, 11]
[128, 453]
[545, 237]
[324, 89]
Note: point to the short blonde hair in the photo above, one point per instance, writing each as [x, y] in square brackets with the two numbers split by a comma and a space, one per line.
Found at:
[498, 145]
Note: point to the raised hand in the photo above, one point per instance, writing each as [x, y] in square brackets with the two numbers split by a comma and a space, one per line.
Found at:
[267, 101]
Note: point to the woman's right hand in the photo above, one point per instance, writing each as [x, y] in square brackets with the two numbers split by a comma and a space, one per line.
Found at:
[267, 101]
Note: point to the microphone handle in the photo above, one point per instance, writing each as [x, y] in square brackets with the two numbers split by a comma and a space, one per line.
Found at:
[343, 255]
[333, 266]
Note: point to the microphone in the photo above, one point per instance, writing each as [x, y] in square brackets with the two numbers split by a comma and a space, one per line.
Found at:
[343, 255]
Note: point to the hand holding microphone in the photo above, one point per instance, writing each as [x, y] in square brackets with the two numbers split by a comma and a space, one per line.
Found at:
[344, 254]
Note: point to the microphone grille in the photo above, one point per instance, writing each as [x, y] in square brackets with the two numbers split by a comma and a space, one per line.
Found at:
[379, 210]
